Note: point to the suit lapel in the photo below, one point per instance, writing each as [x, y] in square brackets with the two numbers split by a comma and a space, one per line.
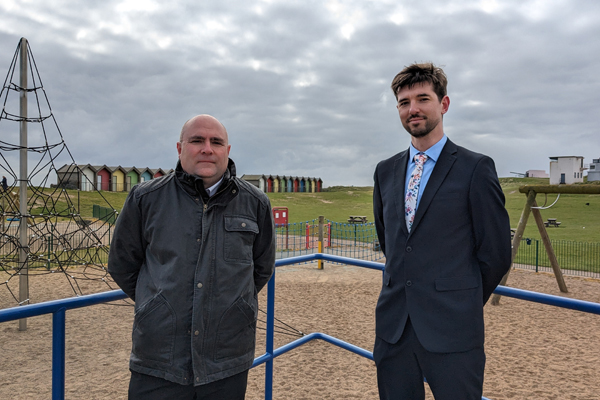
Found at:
[400, 165]
[439, 173]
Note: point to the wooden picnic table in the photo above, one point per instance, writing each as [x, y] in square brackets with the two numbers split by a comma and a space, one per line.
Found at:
[357, 219]
[552, 222]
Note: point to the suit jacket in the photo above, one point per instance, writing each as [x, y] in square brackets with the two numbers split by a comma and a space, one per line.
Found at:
[441, 273]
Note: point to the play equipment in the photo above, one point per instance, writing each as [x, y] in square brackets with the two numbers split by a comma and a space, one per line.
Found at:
[532, 207]
[42, 229]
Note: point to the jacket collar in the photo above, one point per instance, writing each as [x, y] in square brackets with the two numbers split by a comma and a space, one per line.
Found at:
[400, 165]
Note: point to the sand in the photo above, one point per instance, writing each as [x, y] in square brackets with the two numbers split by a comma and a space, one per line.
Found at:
[533, 351]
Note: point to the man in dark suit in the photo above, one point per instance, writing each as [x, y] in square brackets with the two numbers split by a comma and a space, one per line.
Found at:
[440, 217]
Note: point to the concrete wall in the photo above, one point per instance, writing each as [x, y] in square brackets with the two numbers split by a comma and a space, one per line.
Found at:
[571, 167]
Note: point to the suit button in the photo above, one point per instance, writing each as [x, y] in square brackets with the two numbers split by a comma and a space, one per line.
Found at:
[199, 285]
[196, 333]
[408, 283]
[408, 249]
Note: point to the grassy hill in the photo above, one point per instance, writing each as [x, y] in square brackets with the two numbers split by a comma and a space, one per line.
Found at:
[336, 204]
[579, 214]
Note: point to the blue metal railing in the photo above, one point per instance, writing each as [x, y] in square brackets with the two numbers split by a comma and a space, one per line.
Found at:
[58, 309]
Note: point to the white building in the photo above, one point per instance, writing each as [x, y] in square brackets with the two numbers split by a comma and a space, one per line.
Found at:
[536, 173]
[566, 170]
[594, 172]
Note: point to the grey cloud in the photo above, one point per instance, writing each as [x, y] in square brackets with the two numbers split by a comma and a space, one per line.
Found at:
[299, 98]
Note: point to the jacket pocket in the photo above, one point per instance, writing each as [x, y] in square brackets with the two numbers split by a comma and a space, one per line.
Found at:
[236, 332]
[239, 238]
[456, 283]
[154, 330]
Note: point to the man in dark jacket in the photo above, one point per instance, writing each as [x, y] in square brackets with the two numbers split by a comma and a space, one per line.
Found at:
[193, 249]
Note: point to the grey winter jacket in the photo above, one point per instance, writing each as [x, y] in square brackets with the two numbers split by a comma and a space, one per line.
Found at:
[193, 265]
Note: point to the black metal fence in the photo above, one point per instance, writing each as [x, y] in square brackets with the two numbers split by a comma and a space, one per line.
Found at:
[342, 239]
[574, 258]
[66, 244]
[104, 214]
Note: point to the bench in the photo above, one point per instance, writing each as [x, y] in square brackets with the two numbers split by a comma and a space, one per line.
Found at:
[552, 222]
[353, 219]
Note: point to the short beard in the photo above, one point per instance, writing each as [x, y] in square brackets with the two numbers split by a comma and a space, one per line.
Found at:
[422, 132]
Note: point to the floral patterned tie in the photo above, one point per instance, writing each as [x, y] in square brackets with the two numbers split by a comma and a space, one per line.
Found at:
[410, 202]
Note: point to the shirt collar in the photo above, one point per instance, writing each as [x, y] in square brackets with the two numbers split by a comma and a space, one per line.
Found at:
[433, 153]
[213, 189]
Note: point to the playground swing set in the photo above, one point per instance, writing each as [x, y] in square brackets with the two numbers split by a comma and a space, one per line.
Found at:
[531, 207]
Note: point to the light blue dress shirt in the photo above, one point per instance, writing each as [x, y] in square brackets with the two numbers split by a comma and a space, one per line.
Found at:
[213, 189]
[433, 153]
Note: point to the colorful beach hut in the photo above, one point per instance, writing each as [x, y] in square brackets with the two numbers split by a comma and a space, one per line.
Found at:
[117, 179]
[132, 178]
[87, 178]
[102, 177]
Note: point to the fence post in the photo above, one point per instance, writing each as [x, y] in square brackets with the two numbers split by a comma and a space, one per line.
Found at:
[49, 251]
[537, 253]
[321, 219]
[307, 235]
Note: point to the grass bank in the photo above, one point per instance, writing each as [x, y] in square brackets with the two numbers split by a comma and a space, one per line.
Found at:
[579, 214]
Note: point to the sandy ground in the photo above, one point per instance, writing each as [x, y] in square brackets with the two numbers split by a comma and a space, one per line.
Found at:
[534, 351]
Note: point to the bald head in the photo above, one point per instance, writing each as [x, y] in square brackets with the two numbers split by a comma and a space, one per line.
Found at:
[202, 118]
[203, 148]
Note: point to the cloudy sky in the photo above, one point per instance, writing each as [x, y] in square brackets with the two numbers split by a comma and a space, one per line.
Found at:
[303, 86]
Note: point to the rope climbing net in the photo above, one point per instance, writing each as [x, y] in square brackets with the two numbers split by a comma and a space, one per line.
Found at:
[51, 232]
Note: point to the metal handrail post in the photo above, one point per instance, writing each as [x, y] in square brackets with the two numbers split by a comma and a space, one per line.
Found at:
[58, 354]
[270, 337]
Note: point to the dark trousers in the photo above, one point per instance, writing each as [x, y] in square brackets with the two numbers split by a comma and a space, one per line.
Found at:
[146, 387]
[402, 366]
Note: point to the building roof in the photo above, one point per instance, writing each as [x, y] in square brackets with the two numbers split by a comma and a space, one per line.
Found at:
[557, 157]
[129, 169]
[67, 168]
